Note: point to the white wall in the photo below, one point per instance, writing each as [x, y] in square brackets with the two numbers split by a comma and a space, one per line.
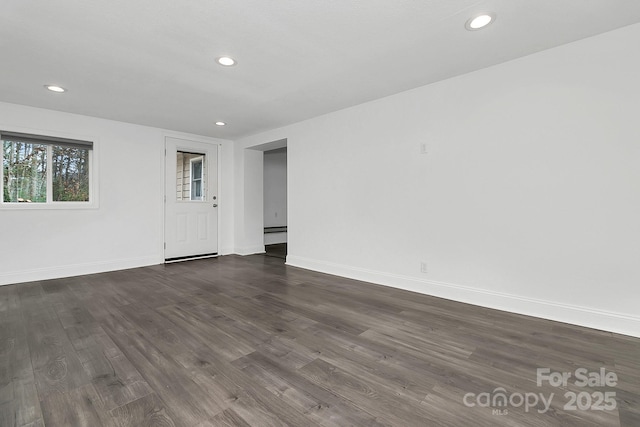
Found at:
[275, 194]
[275, 188]
[249, 220]
[528, 198]
[127, 228]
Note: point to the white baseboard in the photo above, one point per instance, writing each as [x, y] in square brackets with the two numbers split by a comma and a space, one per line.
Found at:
[226, 251]
[583, 316]
[13, 277]
[251, 250]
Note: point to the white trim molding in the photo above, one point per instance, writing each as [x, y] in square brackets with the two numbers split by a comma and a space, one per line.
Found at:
[250, 250]
[582, 316]
[226, 251]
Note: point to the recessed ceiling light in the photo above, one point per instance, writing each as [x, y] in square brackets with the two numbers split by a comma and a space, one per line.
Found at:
[220, 123]
[480, 21]
[226, 61]
[54, 88]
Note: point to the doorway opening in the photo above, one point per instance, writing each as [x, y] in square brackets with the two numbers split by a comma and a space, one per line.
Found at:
[275, 202]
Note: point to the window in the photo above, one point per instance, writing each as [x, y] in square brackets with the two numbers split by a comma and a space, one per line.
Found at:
[44, 170]
[191, 176]
[196, 179]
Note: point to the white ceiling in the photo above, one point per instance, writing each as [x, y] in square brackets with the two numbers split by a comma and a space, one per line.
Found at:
[152, 62]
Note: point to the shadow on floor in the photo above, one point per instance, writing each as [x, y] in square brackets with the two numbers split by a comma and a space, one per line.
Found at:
[278, 250]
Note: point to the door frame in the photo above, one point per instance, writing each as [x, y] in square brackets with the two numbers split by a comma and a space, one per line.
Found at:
[267, 146]
[163, 244]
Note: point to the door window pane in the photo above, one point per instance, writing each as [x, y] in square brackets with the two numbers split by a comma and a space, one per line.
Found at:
[24, 167]
[191, 172]
[196, 179]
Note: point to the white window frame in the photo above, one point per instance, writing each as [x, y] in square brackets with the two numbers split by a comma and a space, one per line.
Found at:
[50, 141]
[191, 180]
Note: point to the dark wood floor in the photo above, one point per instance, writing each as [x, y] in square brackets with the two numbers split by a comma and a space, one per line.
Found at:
[278, 250]
[246, 341]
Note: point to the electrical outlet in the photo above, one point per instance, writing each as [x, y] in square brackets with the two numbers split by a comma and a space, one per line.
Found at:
[423, 267]
[424, 149]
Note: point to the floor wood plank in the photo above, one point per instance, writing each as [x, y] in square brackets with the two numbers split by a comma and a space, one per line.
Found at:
[248, 341]
[79, 407]
[148, 411]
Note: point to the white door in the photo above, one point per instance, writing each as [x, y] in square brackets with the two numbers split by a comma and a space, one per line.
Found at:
[191, 199]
